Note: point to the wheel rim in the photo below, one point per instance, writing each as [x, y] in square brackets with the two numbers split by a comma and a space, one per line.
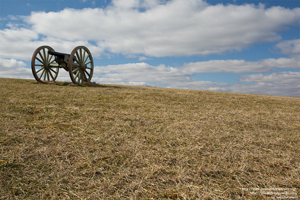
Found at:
[81, 65]
[43, 65]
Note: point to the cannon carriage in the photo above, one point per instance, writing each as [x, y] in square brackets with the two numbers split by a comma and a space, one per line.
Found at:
[46, 62]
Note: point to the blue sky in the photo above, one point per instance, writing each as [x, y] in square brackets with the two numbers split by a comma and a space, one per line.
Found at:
[242, 46]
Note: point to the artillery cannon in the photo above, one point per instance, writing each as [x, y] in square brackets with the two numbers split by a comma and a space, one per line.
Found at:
[45, 64]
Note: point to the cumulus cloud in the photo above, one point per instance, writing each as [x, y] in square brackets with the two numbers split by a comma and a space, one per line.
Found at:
[143, 74]
[151, 28]
[14, 42]
[265, 89]
[11, 68]
[290, 47]
[240, 66]
[20, 43]
[140, 72]
[142, 58]
[171, 28]
[281, 77]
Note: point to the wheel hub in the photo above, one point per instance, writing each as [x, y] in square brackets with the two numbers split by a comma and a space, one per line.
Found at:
[82, 67]
[46, 65]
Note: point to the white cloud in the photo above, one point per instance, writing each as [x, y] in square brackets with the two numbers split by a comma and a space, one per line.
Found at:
[281, 63]
[11, 68]
[10, 63]
[150, 27]
[265, 89]
[174, 28]
[20, 43]
[142, 58]
[140, 72]
[15, 43]
[281, 77]
[13, 17]
[240, 66]
[290, 47]
[121, 4]
[226, 66]
[145, 74]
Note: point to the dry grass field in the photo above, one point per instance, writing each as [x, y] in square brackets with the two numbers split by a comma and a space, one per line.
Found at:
[61, 141]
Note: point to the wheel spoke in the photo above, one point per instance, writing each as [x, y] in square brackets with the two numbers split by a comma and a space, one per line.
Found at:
[81, 59]
[39, 70]
[78, 60]
[84, 76]
[76, 69]
[86, 58]
[50, 59]
[77, 74]
[42, 73]
[81, 76]
[78, 77]
[51, 75]
[48, 75]
[52, 62]
[47, 57]
[55, 72]
[39, 65]
[44, 77]
[39, 59]
[44, 54]
[87, 72]
[88, 62]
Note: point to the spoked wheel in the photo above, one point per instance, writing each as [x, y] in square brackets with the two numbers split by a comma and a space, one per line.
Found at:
[42, 64]
[81, 65]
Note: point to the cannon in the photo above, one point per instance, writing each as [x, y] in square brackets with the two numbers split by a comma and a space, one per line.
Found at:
[45, 64]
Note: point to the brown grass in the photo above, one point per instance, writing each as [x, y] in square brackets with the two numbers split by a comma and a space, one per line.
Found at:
[60, 141]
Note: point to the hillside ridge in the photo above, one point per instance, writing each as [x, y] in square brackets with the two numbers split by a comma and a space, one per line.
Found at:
[64, 141]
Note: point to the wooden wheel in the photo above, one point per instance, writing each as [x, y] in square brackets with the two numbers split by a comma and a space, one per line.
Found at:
[42, 63]
[81, 65]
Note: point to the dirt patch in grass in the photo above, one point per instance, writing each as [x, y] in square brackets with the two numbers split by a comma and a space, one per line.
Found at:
[125, 142]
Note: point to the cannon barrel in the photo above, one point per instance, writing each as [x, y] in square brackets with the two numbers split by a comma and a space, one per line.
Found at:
[55, 53]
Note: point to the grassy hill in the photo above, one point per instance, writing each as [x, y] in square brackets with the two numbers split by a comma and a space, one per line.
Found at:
[60, 141]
